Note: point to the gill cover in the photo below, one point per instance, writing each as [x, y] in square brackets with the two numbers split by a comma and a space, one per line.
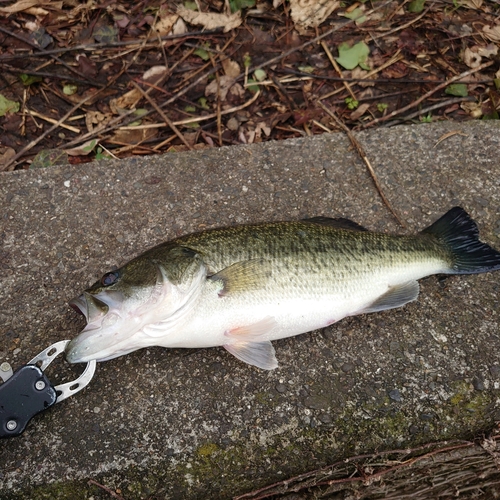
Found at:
[131, 314]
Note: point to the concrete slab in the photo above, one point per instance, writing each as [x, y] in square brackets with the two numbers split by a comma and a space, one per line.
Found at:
[200, 424]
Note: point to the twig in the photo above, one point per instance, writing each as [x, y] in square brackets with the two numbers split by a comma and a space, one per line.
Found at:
[60, 61]
[175, 130]
[219, 120]
[431, 108]
[195, 119]
[92, 47]
[428, 94]
[337, 69]
[51, 120]
[106, 489]
[295, 482]
[314, 41]
[34, 142]
[363, 156]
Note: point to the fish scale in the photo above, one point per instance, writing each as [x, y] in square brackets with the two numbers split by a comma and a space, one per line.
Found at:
[242, 287]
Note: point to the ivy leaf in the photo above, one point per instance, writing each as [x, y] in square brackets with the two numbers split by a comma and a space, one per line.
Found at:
[29, 79]
[457, 89]
[240, 4]
[106, 34]
[7, 106]
[49, 158]
[350, 57]
[416, 6]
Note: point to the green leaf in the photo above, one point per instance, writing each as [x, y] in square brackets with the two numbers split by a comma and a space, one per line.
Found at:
[29, 79]
[90, 146]
[247, 60]
[351, 103]
[496, 81]
[259, 75]
[253, 88]
[106, 34]
[457, 89]
[7, 106]
[203, 103]
[70, 89]
[416, 6]
[237, 5]
[306, 69]
[190, 109]
[193, 125]
[357, 15]
[191, 5]
[49, 158]
[350, 57]
[202, 53]
[382, 106]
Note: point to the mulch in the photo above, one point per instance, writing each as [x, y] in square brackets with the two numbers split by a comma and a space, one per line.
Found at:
[87, 81]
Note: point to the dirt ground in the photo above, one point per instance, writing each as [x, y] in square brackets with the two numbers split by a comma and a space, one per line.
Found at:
[85, 81]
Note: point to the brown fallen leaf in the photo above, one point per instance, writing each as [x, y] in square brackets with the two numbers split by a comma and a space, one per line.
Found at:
[492, 33]
[6, 154]
[311, 13]
[127, 101]
[84, 149]
[95, 119]
[210, 20]
[231, 68]
[360, 111]
[225, 83]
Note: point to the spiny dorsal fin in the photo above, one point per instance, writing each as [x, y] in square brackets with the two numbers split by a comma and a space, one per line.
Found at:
[339, 223]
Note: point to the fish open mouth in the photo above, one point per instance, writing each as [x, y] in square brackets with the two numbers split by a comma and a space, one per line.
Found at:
[89, 306]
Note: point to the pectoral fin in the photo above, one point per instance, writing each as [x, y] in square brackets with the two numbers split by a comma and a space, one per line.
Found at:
[243, 276]
[396, 296]
[249, 344]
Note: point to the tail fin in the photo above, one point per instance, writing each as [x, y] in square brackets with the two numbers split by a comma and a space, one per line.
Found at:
[459, 233]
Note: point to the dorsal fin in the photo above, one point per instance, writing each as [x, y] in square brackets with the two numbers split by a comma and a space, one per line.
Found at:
[339, 223]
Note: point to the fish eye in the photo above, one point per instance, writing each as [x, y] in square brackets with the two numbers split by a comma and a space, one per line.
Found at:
[110, 278]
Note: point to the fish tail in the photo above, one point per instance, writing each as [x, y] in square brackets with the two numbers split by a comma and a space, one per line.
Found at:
[460, 235]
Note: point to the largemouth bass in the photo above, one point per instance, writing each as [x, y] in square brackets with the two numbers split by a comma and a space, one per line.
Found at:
[242, 287]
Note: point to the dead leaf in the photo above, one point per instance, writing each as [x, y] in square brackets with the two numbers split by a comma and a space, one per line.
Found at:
[488, 51]
[311, 13]
[360, 111]
[165, 25]
[472, 108]
[95, 119]
[493, 33]
[471, 4]
[226, 82]
[471, 58]
[231, 68]
[156, 75]
[23, 5]
[135, 136]
[127, 101]
[210, 20]
[86, 66]
[6, 154]
[84, 149]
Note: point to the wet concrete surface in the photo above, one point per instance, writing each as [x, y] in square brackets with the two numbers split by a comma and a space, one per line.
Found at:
[199, 423]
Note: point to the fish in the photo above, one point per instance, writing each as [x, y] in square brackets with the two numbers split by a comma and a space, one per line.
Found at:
[243, 287]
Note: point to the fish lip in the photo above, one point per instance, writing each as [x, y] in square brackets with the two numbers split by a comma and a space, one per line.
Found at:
[79, 305]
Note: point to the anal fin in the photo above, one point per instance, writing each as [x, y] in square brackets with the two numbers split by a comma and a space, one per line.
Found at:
[249, 344]
[396, 296]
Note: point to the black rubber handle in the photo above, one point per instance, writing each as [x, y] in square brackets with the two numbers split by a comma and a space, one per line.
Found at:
[24, 395]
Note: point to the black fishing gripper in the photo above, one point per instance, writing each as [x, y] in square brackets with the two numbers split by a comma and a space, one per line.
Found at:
[27, 391]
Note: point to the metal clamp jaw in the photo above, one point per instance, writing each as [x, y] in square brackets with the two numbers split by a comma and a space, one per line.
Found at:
[27, 391]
